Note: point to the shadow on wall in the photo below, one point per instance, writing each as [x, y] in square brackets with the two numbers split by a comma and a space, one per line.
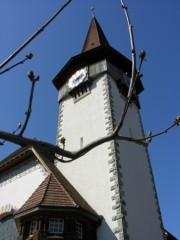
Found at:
[104, 232]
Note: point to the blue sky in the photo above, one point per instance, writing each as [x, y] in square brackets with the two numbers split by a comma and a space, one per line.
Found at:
[157, 30]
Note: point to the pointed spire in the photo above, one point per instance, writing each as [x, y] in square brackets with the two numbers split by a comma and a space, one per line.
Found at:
[95, 36]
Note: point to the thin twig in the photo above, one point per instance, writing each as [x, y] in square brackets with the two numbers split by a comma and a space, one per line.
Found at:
[29, 110]
[158, 134]
[28, 57]
[133, 72]
[34, 35]
[133, 51]
[145, 141]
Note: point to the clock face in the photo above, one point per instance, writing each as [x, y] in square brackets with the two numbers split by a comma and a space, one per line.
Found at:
[77, 78]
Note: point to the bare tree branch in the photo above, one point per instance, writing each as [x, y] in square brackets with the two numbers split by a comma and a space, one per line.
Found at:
[33, 80]
[133, 51]
[28, 57]
[134, 75]
[34, 35]
[22, 141]
[149, 139]
[18, 127]
[133, 71]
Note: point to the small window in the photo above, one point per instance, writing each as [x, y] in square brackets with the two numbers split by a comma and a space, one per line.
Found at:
[79, 230]
[32, 228]
[56, 225]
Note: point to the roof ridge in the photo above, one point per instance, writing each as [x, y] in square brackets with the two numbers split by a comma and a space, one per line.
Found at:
[50, 175]
[72, 200]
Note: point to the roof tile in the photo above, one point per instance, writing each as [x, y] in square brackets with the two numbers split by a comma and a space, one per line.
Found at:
[95, 36]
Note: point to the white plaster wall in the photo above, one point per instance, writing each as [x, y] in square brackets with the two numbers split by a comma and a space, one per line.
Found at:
[90, 173]
[17, 190]
[143, 216]
[82, 119]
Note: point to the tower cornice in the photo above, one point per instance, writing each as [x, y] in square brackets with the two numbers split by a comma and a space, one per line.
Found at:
[92, 56]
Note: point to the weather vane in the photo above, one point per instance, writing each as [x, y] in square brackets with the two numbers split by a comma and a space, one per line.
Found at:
[92, 9]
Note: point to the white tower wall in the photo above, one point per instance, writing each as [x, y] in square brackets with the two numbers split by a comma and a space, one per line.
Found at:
[90, 173]
[138, 192]
[114, 178]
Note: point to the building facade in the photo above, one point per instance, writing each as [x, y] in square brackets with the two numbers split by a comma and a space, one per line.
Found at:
[37, 202]
[108, 193]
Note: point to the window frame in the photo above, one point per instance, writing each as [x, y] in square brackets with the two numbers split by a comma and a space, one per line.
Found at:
[53, 225]
[32, 228]
[79, 230]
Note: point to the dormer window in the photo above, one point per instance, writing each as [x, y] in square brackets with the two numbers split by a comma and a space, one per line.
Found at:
[56, 225]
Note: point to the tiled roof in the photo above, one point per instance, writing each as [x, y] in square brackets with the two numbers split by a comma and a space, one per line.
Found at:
[49, 193]
[95, 36]
[55, 190]
[15, 158]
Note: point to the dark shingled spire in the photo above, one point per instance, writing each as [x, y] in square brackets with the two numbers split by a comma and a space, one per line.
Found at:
[95, 36]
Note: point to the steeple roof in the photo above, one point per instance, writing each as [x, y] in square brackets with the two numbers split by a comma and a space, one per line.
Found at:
[95, 36]
[95, 49]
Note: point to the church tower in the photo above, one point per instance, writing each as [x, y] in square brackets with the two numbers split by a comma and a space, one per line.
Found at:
[115, 178]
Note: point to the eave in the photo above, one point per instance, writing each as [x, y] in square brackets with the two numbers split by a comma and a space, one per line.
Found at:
[92, 56]
[45, 210]
[15, 158]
